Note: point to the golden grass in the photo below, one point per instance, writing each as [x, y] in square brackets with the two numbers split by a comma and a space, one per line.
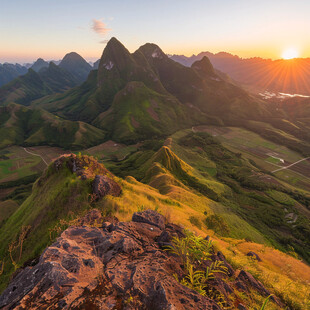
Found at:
[282, 274]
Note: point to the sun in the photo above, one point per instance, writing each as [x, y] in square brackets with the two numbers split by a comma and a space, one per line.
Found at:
[290, 53]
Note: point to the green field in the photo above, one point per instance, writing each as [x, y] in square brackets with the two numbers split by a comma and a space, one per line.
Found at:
[16, 163]
[264, 153]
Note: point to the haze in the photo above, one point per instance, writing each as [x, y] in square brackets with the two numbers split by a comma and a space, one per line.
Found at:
[50, 29]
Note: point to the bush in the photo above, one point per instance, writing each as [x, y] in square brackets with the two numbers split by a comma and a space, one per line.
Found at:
[217, 223]
[195, 221]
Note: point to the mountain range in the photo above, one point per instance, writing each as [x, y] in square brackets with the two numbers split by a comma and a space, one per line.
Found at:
[258, 74]
[72, 62]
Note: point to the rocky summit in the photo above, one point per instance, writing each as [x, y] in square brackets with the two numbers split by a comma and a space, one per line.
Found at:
[105, 264]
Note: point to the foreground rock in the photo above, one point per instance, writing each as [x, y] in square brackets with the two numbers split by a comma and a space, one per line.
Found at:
[119, 266]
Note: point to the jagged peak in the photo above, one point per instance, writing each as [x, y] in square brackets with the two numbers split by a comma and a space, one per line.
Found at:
[151, 50]
[204, 65]
[72, 57]
[40, 60]
[170, 160]
[114, 54]
[39, 64]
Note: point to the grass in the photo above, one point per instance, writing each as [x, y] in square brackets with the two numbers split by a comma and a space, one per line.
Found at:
[7, 208]
[254, 147]
[38, 127]
[20, 164]
[281, 198]
[284, 275]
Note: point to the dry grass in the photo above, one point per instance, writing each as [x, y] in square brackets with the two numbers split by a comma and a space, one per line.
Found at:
[282, 274]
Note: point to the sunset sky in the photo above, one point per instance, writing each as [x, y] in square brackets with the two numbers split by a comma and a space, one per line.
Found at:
[51, 28]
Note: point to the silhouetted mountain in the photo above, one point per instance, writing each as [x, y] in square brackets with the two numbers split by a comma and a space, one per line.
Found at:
[76, 65]
[39, 64]
[96, 64]
[34, 85]
[288, 76]
[9, 72]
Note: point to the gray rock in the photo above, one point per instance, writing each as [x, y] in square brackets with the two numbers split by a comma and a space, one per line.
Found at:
[150, 217]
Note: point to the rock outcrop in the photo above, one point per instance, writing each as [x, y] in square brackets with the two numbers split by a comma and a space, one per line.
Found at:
[86, 167]
[254, 255]
[103, 185]
[117, 265]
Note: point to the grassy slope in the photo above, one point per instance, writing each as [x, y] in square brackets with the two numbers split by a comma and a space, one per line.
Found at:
[33, 85]
[36, 126]
[139, 113]
[200, 164]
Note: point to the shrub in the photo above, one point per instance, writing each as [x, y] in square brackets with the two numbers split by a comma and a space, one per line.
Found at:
[217, 223]
[195, 221]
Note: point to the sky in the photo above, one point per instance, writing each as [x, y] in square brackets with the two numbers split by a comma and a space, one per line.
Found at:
[49, 29]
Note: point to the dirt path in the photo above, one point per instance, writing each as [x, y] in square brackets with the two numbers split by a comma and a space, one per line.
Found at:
[290, 165]
[35, 155]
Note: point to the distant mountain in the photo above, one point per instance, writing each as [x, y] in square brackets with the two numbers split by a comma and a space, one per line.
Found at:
[76, 65]
[288, 76]
[33, 85]
[9, 72]
[96, 64]
[39, 64]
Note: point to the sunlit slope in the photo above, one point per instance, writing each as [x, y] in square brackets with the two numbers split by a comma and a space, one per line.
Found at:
[238, 189]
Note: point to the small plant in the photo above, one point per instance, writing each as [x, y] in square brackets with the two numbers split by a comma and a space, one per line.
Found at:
[61, 226]
[195, 253]
[192, 249]
[265, 303]
[14, 245]
[141, 208]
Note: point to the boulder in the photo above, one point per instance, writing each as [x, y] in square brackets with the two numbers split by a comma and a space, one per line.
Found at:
[221, 257]
[150, 217]
[250, 282]
[91, 218]
[254, 255]
[103, 185]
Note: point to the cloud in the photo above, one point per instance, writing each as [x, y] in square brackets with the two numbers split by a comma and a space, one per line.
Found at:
[100, 27]
[104, 41]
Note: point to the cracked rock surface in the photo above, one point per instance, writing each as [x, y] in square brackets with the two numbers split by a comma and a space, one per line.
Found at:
[117, 266]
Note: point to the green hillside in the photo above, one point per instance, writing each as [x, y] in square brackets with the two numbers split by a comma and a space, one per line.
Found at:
[24, 126]
[34, 85]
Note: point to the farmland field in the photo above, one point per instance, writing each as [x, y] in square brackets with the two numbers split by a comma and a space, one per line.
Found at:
[268, 155]
[17, 162]
[111, 150]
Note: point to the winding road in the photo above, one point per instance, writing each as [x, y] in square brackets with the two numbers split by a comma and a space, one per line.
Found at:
[35, 155]
[296, 162]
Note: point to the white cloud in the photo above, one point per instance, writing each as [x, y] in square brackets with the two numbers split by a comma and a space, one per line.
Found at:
[100, 27]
